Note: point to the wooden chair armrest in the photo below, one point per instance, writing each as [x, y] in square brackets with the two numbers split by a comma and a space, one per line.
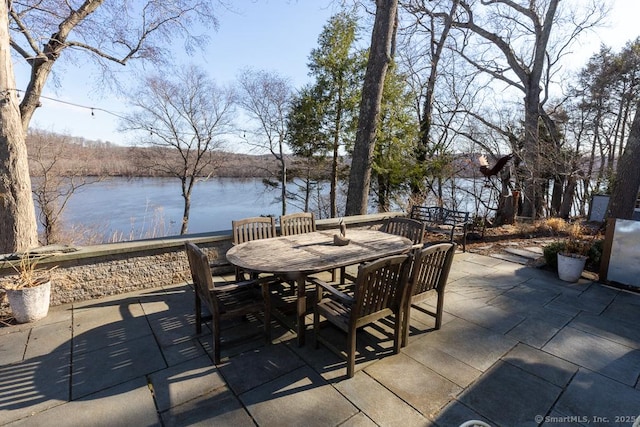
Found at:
[331, 290]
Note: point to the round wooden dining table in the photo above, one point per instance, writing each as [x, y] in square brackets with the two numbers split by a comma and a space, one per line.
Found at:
[297, 256]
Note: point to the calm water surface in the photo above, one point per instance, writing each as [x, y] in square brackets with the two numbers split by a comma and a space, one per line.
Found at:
[149, 207]
[128, 209]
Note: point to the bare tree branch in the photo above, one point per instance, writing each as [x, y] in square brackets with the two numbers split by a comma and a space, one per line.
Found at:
[182, 119]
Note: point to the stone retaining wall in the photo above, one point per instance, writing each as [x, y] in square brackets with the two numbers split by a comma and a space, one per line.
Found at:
[90, 272]
[95, 272]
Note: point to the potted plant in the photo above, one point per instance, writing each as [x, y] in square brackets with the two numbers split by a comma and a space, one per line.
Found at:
[29, 291]
[572, 254]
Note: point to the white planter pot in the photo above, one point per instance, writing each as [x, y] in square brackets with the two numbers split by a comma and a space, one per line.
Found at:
[30, 304]
[570, 266]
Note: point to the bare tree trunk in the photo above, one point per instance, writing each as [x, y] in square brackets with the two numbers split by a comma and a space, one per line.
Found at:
[333, 192]
[17, 213]
[532, 206]
[382, 38]
[505, 211]
[283, 173]
[39, 73]
[625, 189]
[529, 77]
[185, 214]
[307, 189]
[187, 187]
[567, 197]
[422, 148]
[383, 194]
[556, 194]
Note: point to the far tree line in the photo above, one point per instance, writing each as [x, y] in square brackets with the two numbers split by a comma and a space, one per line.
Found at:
[400, 95]
[67, 155]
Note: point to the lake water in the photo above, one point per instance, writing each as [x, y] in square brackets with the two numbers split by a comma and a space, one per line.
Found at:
[151, 207]
[128, 209]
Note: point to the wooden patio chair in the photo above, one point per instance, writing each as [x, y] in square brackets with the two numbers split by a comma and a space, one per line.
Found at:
[227, 299]
[429, 272]
[406, 227]
[412, 229]
[381, 288]
[254, 228]
[297, 223]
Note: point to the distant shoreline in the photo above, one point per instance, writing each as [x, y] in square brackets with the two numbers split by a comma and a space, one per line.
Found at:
[79, 157]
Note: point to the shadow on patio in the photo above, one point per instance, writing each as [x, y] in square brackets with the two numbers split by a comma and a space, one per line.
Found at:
[517, 347]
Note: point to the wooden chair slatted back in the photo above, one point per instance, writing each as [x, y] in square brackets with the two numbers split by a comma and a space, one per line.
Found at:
[431, 268]
[297, 223]
[254, 228]
[201, 275]
[412, 229]
[380, 286]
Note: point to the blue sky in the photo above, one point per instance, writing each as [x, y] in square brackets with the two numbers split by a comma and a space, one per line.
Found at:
[275, 35]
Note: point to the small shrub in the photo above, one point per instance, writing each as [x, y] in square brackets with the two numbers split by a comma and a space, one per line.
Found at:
[546, 227]
[555, 225]
[576, 242]
[526, 229]
[595, 254]
[592, 249]
[550, 253]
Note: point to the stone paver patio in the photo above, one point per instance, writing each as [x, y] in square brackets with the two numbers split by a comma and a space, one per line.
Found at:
[518, 347]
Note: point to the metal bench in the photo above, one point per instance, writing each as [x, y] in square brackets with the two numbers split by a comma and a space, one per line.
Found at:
[438, 219]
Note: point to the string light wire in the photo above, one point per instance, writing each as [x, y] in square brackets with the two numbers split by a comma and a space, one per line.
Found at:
[94, 109]
[73, 104]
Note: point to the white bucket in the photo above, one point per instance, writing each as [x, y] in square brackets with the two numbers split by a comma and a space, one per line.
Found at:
[570, 267]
